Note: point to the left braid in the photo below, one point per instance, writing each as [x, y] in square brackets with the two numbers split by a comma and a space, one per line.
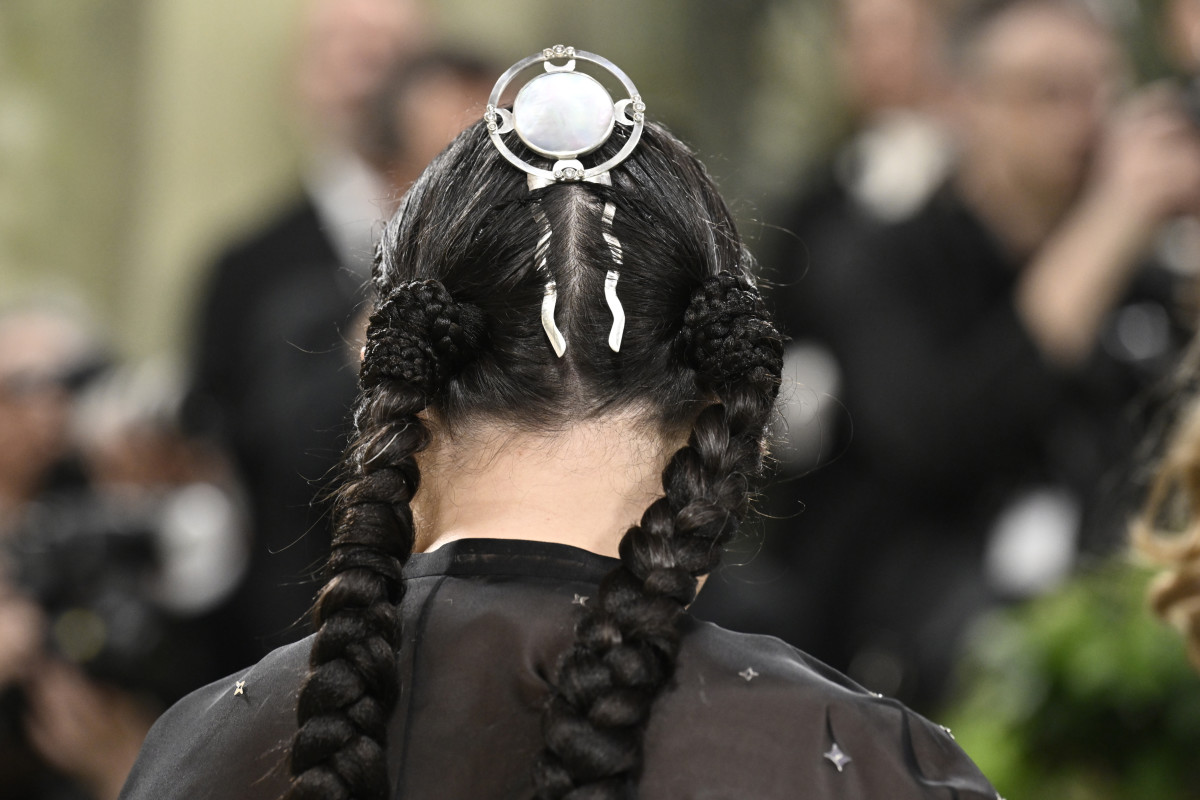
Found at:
[417, 338]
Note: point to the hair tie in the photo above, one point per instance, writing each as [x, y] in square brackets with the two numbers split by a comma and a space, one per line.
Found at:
[420, 335]
[728, 338]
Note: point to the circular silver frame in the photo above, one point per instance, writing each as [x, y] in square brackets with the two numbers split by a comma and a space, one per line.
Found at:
[500, 121]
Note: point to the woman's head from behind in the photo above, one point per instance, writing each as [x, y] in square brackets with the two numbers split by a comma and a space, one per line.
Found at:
[472, 224]
[457, 337]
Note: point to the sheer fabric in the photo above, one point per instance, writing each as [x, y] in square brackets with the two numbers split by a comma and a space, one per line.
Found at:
[485, 621]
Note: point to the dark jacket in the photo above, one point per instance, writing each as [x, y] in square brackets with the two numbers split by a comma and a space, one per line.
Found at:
[485, 621]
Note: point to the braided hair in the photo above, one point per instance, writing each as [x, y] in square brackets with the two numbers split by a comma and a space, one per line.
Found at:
[457, 334]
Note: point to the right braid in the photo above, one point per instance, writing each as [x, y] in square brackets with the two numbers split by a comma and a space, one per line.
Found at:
[417, 338]
[628, 639]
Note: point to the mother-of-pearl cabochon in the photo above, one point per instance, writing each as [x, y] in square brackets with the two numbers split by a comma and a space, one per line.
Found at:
[563, 114]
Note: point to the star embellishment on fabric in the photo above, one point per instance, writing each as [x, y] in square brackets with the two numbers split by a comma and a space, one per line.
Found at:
[748, 674]
[579, 600]
[837, 757]
[239, 688]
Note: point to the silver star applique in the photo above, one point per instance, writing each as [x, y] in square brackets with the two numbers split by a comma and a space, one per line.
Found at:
[579, 600]
[239, 688]
[748, 674]
[839, 759]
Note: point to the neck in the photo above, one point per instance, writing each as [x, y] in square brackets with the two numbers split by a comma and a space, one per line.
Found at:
[1022, 217]
[584, 486]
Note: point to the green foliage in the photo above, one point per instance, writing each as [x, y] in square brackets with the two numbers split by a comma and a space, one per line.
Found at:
[1083, 695]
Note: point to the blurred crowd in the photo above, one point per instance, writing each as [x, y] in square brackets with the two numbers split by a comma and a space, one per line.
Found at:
[161, 528]
[983, 286]
[119, 534]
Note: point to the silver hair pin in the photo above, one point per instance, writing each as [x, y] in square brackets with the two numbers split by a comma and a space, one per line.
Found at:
[610, 279]
[563, 114]
[557, 341]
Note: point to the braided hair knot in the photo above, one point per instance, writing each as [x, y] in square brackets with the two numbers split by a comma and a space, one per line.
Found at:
[728, 337]
[420, 335]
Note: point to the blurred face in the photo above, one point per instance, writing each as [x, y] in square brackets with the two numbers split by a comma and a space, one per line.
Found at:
[1034, 94]
[1181, 25]
[887, 51]
[432, 113]
[349, 47]
[33, 401]
[32, 421]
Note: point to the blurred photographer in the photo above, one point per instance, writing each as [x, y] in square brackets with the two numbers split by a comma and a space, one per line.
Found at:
[46, 355]
[119, 534]
[992, 345]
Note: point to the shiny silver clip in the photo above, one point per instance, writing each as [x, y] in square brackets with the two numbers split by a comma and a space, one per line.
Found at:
[557, 340]
[563, 113]
[552, 332]
[617, 331]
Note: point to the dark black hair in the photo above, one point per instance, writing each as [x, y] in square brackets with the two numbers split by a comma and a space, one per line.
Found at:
[457, 331]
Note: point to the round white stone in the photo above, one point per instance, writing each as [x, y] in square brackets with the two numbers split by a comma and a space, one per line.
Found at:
[563, 114]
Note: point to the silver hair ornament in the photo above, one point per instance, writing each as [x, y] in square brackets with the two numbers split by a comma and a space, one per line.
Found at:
[562, 114]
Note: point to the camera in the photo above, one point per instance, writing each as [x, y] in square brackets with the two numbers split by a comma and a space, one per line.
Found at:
[95, 566]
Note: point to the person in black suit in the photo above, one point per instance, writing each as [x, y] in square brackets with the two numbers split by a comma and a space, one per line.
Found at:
[276, 355]
[991, 346]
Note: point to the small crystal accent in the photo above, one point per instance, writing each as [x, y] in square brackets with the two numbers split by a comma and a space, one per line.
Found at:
[570, 174]
[839, 759]
[748, 674]
[239, 688]
[638, 116]
[947, 730]
[560, 50]
[547, 53]
[638, 105]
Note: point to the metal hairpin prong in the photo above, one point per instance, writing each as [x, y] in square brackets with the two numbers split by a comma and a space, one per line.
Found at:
[618, 312]
[562, 114]
[614, 244]
[617, 331]
[540, 254]
[552, 332]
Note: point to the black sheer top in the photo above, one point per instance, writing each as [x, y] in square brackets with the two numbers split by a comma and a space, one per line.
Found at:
[485, 620]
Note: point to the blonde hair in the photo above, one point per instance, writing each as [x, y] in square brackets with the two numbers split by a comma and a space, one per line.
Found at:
[1168, 530]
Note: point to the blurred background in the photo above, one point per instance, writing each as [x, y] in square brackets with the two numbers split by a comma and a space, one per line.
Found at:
[139, 136]
[978, 220]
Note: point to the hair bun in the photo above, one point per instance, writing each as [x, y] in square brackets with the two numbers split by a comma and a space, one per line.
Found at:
[422, 336]
[728, 338]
